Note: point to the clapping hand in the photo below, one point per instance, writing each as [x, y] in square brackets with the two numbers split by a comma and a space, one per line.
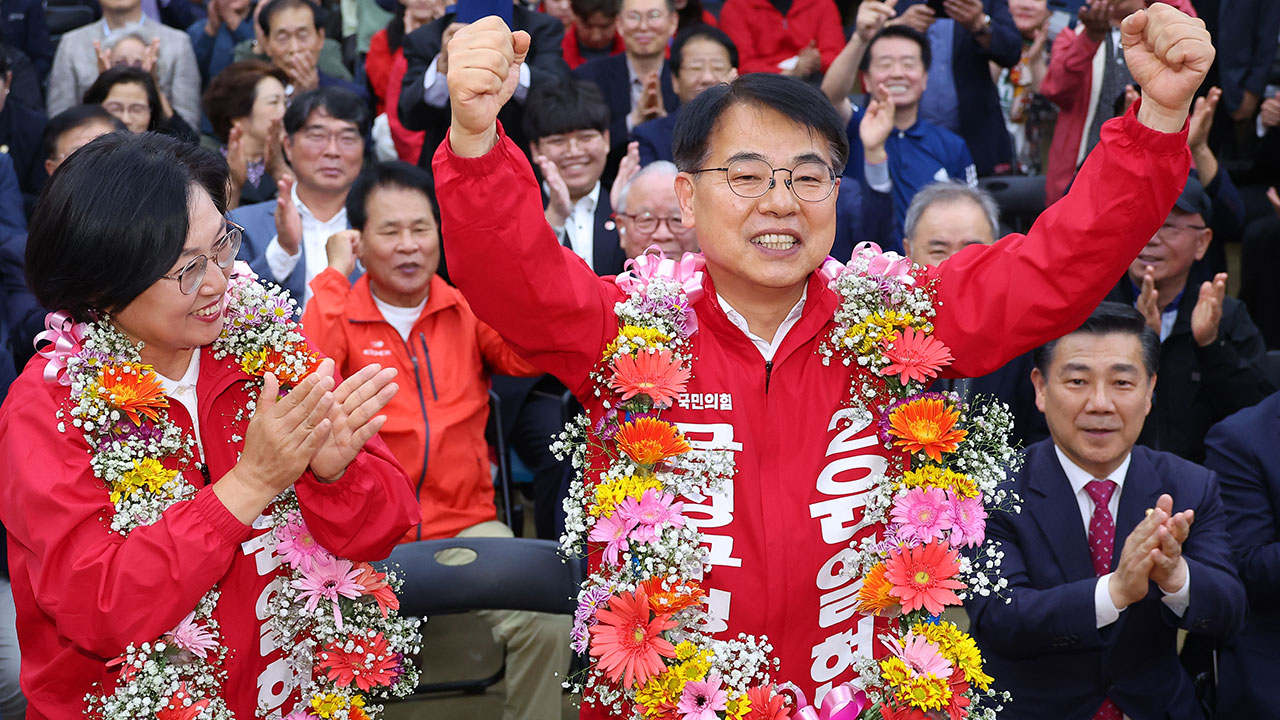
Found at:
[872, 15]
[1207, 315]
[237, 166]
[1202, 119]
[1168, 54]
[876, 125]
[1149, 300]
[484, 69]
[288, 219]
[559, 206]
[650, 106]
[300, 67]
[352, 417]
[627, 169]
[1168, 568]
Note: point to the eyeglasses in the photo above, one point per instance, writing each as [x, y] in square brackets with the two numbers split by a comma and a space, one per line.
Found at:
[810, 181]
[635, 18]
[223, 253]
[647, 223]
[319, 139]
[561, 142]
[1183, 228]
[119, 108]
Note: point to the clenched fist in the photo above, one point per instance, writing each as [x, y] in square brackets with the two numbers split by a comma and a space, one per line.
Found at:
[1168, 53]
[484, 68]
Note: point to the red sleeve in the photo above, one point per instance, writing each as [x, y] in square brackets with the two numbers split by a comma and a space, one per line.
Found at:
[829, 33]
[364, 513]
[1070, 66]
[498, 356]
[540, 297]
[324, 320]
[999, 301]
[377, 66]
[102, 591]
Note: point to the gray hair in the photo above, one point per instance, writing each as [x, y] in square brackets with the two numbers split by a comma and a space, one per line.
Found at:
[657, 166]
[114, 40]
[950, 191]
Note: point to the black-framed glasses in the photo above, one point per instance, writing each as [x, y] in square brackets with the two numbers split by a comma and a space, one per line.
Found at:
[223, 253]
[811, 181]
[647, 223]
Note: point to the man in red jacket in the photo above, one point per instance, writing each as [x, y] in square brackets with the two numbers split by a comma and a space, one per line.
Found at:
[776, 536]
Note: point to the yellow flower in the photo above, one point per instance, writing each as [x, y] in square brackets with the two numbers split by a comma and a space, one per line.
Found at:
[609, 494]
[925, 692]
[882, 324]
[147, 475]
[929, 476]
[895, 672]
[955, 645]
[636, 335]
[737, 707]
[329, 704]
[661, 691]
[685, 650]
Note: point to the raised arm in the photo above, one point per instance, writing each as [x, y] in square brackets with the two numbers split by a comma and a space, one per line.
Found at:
[842, 74]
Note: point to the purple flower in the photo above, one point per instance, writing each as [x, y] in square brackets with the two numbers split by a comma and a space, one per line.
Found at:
[588, 603]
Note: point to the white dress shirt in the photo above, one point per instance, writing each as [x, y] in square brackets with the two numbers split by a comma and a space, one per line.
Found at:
[580, 227]
[315, 235]
[767, 348]
[1104, 609]
[184, 391]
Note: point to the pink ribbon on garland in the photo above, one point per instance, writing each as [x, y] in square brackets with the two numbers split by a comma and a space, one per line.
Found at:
[831, 270]
[842, 702]
[65, 337]
[687, 271]
[888, 264]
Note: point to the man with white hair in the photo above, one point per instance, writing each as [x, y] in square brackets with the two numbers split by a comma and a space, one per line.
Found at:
[648, 213]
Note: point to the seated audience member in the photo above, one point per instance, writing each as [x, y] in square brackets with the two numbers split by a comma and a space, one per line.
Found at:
[78, 63]
[385, 67]
[245, 106]
[648, 213]
[293, 37]
[284, 239]
[895, 66]
[561, 10]
[20, 131]
[424, 94]
[130, 94]
[592, 33]
[1259, 251]
[418, 324]
[799, 38]
[23, 27]
[636, 84]
[1102, 572]
[1019, 86]
[72, 129]
[701, 56]
[1227, 221]
[214, 38]
[1245, 35]
[1244, 453]
[1211, 354]
[12, 218]
[329, 62]
[1086, 77]
[966, 40]
[945, 218]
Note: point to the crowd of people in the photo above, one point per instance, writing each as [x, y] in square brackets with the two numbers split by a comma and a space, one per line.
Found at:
[451, 200]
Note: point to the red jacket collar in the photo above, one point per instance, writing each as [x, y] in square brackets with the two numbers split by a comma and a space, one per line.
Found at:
[361, 307]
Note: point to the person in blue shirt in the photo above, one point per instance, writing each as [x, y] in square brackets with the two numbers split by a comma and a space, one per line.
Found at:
[214, 38]
[894, 61]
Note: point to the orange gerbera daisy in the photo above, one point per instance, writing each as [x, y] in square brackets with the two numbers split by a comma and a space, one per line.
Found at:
[658, 375]
[375, 586]
[648, 440]
[874, 596]
[921, 576]
[915, 356]
[133, 389]
[674, 598]
[628, 639]
[926, 425]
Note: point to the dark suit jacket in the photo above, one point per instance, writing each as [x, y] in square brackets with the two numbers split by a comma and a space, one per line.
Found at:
[611, 75]
[259, 223]
[23, 26]
[1244, 452]
[654, 138]
[421, 47]
[1045, 647]
[607, 256]
[22, 130]
[1246, 42]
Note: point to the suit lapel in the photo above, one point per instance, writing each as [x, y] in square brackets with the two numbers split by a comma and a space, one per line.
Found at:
[1141, 490]
[606, 249]
[1055, 510]
[669, 98]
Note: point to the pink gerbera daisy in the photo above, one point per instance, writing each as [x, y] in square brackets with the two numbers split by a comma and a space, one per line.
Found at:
[920, 655]
[613, 530]
[328, 579]
[923, 577]
[296, 544]
[701, 699]
[654, 510]
[968, 521]
[922, 514]
[915, 356]
[195, 639]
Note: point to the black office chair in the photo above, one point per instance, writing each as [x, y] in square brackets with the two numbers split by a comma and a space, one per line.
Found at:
[510, 511]
[64, 18]
[505, 574]
[1019, 197]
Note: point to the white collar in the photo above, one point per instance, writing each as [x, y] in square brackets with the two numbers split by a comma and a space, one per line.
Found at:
[1079, 477]
[340, 216]
[766, 347]
[175, 388]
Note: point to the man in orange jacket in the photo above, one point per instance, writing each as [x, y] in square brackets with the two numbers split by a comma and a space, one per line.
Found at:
[400, 314]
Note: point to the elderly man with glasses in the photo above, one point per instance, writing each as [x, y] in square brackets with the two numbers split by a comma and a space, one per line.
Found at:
[648, 213]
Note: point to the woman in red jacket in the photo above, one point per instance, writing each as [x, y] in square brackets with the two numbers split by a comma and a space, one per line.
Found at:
[183, 535]
[385, 66]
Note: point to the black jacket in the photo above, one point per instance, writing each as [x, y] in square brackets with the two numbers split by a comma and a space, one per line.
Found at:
[1197, 387]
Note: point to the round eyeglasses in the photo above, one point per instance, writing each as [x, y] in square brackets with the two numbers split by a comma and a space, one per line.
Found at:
[223, 253]
[810, 181]
[647, 223]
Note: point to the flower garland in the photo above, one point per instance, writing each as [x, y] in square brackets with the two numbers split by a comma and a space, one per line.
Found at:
[640, 614]
[336, 619]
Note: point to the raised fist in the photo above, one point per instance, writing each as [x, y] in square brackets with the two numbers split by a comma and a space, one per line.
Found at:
[484, 68]
[1168, 54]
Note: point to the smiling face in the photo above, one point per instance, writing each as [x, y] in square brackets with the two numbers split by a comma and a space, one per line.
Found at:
[169, 323]
[653, 197]
[1182, 240]
[399, 244]
[646, 26]
[764, 246]
[326, 153]
[579, 156]
[703, 63]
[896, 63]
[1095, 397]
[945, 228]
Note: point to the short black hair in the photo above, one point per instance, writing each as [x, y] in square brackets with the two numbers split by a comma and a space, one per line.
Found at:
[797, 100]
[1110, 317]
[899, 31]
[274, 6]
[395, 173]
[714, 34]
[72, 118]
[114, 219]
[565, 106]
[584, 9]
[125, 75]
[338, 103]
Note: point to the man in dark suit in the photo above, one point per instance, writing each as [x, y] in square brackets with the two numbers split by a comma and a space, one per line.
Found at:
[636, 84]
[701, 56]
[1101, 572]
[1244, 453]
[424, 95]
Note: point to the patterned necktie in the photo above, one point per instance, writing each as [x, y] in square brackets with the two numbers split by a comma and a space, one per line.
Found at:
[1102, 539]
